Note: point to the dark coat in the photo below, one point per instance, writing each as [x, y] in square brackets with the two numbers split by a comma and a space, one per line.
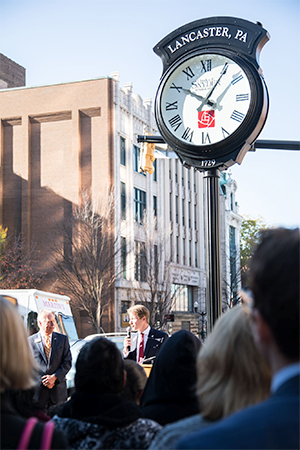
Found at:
[155, 340]
[272, 424]
[59, 364]
[104, 422]
[12, 426]
[170, 392]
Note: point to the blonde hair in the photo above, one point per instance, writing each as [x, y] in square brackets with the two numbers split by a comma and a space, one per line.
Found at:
[44, 312]
[18, 367]
[140, 311]
[232, 374]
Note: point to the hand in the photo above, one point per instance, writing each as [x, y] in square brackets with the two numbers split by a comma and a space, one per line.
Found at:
[205, 100]
[127, 343]
[199, 97]
[49, 381]
[220, 98]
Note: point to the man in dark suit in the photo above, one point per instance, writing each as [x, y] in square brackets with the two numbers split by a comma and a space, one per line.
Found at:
[52, 352]
[274, 309]
[146, 343]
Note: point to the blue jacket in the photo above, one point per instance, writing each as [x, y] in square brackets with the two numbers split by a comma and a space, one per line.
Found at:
[272, 424]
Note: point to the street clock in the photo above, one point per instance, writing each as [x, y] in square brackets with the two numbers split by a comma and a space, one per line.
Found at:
[212, 101]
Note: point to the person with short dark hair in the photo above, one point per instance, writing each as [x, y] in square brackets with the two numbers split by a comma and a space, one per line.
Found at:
[97, 415]
[136, 379]
[274, 311]
[170, 392]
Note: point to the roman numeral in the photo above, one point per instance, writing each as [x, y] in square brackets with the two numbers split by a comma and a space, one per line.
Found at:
[206, 65]
[170, 106]
[205, 138]
[238, 116]
[225, 133]
[241, 97]
[173, 86]
[237, 79]
[189, 73]
[175, 122]
[188, 134]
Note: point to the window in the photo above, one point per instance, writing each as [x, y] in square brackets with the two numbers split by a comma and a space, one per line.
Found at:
[189, 179]
[123, 201]
[155, 170]
[183, 297]
[183, 251]
[176, 208]
[177, 249]
[123, 257]
[189, 210]
[176, 170]
[195, 217]
[155, 205]
[122, 151]
[183, 222]
[139, 204]
[170, 207]
[140, 261]
[136, 158]
[190, 253]
[196, 254]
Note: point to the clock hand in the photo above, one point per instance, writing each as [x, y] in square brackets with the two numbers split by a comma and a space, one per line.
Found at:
[220, 98]
[199, 97]
[204, 101]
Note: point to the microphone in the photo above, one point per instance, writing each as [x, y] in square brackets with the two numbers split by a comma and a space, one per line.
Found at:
[128, 334]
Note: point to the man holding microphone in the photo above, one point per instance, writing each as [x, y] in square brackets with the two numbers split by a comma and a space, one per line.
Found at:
[145, 345]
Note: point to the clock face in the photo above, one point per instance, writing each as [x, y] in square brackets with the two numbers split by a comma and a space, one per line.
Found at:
[205, 99]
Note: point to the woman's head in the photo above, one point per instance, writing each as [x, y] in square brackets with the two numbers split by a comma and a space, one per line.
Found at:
[17, 364]
[99, 368]
[232, 374]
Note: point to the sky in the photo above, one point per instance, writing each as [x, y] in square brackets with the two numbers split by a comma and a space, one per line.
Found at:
[70, 40]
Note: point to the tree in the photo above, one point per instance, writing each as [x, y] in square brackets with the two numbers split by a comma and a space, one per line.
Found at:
[85, 262]
[250, 235]
[19, 267]
[153, 272]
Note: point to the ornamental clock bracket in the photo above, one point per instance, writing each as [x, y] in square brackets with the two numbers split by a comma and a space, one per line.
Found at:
[212, 101]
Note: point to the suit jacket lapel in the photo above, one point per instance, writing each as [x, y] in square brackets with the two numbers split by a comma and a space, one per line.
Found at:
[54, 343]
[149, 343]
[40, 346]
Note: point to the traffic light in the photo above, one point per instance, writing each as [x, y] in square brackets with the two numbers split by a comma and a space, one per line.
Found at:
[147, 157]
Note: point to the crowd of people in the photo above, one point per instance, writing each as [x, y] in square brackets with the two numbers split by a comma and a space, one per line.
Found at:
[237, 390]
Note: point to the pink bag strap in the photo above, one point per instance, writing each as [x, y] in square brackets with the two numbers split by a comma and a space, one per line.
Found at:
[47, 435]
[26, 433]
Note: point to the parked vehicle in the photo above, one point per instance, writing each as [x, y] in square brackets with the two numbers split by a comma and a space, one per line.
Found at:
[76, 346]
[31, 301]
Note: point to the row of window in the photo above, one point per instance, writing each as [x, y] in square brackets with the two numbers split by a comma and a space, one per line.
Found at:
[136, 158]
[140, 203]
[141, 264]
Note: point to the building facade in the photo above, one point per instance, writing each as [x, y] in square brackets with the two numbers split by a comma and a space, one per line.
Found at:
[62, 140]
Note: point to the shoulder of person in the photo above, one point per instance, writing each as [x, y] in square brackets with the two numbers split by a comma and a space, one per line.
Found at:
[35, 338]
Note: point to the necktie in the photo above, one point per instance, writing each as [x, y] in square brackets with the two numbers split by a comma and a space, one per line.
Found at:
[141, 349]
[47, 346]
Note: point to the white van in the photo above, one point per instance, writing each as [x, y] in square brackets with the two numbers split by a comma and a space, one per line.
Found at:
[31, 301]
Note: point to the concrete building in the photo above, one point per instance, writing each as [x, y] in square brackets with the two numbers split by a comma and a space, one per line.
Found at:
[11, 73]
[60, 140]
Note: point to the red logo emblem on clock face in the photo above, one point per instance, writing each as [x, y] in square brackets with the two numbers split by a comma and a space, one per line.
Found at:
[206, 119]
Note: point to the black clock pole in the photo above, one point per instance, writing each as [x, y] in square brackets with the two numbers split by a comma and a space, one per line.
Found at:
[212, 242]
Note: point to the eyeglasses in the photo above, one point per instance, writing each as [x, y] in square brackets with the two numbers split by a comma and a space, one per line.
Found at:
[247, 301]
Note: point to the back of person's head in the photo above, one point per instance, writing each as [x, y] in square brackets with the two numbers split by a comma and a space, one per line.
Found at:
[135, 381]
[274, 274]
[232, 373]
[140, 311]
[99, 368]
[17, 368]
[174, 375]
